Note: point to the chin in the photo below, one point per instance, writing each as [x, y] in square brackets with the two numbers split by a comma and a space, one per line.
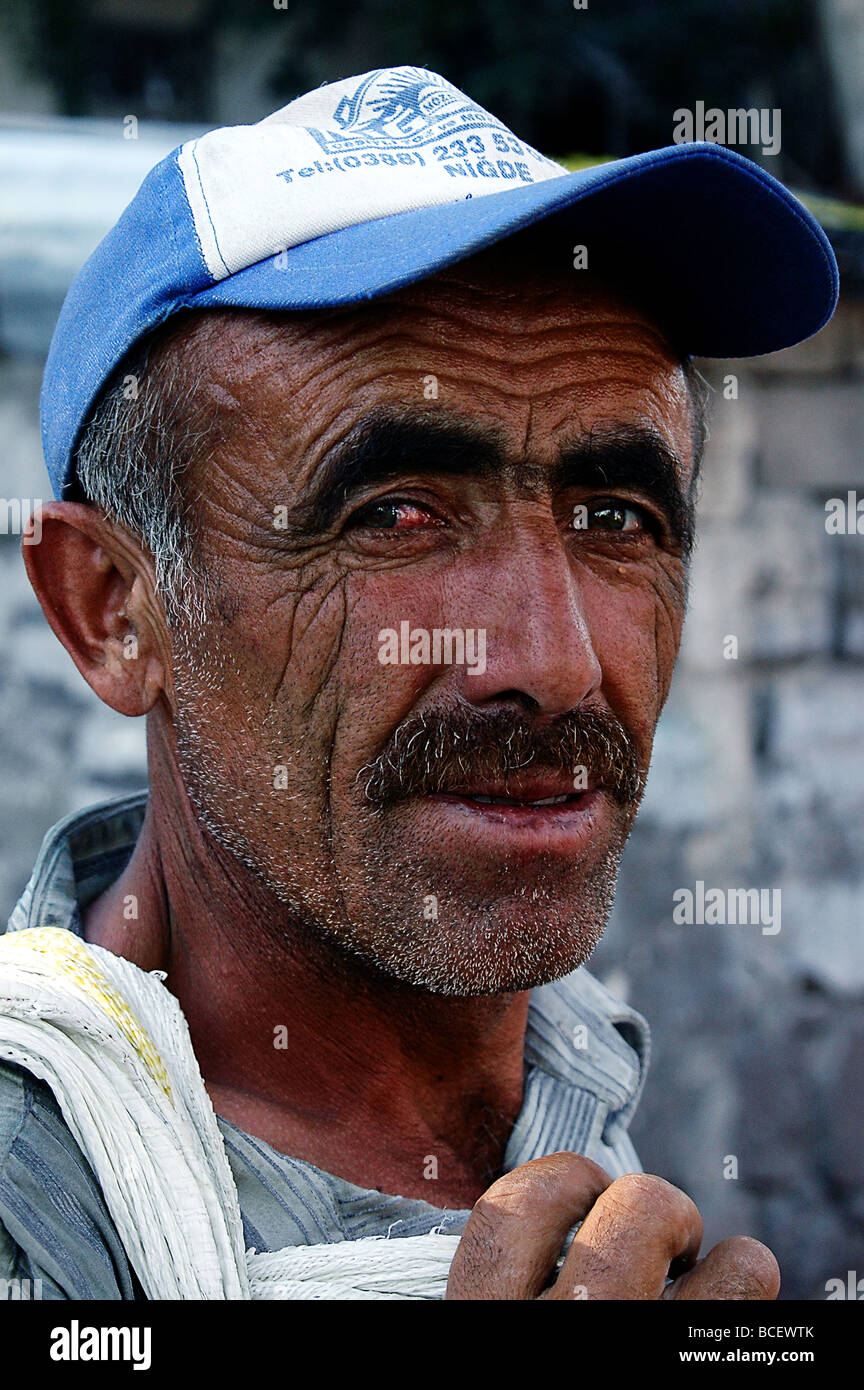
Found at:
[492, 957]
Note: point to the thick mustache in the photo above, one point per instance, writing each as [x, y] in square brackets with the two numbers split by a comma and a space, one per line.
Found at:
[448, 750]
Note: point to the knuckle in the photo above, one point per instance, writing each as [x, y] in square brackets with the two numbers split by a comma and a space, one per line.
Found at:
[512, 1198]
[564, 1174]
[489, 1210]
[532, 1187]
[648, 1193]
[507, 1206]
[648, 1188]
[566, 1164]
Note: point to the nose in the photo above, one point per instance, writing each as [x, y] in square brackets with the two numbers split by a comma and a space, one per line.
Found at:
[539, 651]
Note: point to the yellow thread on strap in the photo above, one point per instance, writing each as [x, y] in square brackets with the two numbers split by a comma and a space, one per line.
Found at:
[69, 957]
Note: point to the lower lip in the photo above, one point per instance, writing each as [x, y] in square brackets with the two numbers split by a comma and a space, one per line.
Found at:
[565, 828]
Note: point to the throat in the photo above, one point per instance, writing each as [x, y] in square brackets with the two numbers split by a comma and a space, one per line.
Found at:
[448, 1167]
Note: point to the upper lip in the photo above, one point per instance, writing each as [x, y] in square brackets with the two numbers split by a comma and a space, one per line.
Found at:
[521, 788]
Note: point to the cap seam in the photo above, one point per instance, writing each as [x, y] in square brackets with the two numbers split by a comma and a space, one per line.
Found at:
[194, 153]
[178, 174]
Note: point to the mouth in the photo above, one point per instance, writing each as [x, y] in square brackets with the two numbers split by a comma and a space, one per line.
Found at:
[534, 793]
[532, 803]
[532, 814]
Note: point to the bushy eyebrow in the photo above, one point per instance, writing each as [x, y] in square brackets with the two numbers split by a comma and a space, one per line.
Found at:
[626, 458]
[386, 445]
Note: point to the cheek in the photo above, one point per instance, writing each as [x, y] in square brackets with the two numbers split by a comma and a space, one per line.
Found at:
[635, 628]
[273, 674]
[312, 679]
[289, 638]
[376, 693]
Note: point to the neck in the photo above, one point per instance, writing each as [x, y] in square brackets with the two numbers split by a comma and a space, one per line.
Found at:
[325, 1059]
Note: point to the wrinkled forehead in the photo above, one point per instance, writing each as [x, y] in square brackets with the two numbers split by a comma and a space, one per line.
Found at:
[509, 330]
[534, 364]
[500, 296]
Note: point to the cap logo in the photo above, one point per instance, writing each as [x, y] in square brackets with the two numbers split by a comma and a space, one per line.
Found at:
[412, 107]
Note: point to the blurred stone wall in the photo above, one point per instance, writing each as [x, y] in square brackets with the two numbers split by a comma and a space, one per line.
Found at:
[758, 781]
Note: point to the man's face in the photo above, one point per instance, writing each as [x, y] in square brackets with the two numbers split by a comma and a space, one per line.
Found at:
[421, 461]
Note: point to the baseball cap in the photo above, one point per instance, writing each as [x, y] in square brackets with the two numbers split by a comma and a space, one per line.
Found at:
[370, 183]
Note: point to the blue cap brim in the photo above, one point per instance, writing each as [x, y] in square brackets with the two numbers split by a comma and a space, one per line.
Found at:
[733, 263]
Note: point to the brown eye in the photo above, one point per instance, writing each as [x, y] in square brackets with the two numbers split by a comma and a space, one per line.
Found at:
[615, 516]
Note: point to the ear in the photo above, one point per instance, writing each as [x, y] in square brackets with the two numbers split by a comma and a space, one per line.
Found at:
[97, 589]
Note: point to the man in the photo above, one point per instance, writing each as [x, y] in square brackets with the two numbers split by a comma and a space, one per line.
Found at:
[375, 439]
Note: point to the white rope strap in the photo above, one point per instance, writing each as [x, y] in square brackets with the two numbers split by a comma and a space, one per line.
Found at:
[414, 1267]
[113, 1045]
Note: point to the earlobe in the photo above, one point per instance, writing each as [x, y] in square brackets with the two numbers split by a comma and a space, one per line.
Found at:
[93, 582]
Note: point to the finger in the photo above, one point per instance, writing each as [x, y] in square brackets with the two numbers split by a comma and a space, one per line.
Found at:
[626, 1243]
[516, 1229]
[736, 1268]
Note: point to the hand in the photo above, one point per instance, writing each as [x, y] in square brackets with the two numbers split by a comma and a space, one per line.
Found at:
[633, 1230]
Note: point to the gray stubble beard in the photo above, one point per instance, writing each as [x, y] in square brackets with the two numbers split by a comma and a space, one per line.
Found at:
[482, 956]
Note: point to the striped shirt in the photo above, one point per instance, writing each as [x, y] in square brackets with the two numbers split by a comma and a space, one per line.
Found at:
[585, 1058]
